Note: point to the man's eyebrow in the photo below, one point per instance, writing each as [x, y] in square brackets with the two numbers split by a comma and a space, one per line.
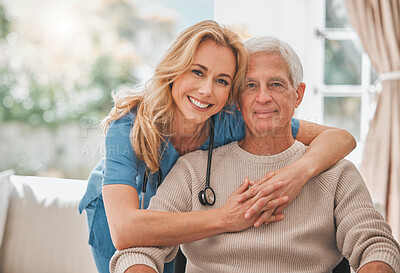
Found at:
[279, 79]
[250, 79]
[206, 69]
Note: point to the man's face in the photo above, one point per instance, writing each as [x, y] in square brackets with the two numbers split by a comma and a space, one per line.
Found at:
[268, 99]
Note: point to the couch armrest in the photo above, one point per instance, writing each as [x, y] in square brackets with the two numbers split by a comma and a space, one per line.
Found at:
[44, 231]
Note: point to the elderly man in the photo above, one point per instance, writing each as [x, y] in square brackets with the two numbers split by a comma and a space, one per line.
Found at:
[332, 217]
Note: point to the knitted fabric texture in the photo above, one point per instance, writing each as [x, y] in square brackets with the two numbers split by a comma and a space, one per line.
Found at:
[332, 217]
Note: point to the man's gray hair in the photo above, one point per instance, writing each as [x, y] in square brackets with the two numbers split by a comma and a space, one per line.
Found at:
[272, 45]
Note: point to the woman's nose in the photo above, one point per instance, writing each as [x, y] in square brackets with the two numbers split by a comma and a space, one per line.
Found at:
[206, 88]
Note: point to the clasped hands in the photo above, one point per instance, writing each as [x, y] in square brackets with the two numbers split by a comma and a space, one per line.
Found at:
[262, 201]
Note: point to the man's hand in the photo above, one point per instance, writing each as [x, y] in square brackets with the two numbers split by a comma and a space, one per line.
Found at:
[233, 212]
[140, 268]
[376, 267]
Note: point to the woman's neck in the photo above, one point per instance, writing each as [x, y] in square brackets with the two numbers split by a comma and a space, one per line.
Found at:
[188, 136]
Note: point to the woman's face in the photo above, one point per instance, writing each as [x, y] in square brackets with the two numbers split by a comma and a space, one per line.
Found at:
[203, 89]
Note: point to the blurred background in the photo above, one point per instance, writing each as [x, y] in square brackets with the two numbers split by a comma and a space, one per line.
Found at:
[60, 61]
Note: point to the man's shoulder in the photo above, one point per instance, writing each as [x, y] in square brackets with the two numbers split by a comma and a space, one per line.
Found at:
[341, 166]
[344, 171]
[195, 163]
[202, 155]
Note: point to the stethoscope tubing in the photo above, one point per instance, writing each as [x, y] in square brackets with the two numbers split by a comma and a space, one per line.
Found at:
[145, 180]
[210, 150]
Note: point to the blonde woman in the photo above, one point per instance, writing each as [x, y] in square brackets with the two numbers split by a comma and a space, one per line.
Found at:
[198, 78]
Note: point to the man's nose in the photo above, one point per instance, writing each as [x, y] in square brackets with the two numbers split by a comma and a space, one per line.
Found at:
[206, 88]
[263, 95]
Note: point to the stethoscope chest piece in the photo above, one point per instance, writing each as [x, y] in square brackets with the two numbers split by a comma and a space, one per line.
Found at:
[207, 196]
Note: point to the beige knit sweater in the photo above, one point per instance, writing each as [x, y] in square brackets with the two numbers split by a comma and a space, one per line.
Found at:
[332, 217]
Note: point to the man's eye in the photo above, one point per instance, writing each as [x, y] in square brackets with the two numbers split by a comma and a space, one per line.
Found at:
[251, 85]
[197, 72]
[276, 84]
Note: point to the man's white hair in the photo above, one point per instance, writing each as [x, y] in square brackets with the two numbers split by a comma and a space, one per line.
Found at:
[272, 45]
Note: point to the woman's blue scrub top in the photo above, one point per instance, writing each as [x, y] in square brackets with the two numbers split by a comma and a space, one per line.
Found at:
[121, 166]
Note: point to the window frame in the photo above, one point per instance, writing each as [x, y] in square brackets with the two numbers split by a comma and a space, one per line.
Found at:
[366, 91]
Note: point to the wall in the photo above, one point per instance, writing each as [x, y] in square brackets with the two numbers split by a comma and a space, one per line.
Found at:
[294, 21]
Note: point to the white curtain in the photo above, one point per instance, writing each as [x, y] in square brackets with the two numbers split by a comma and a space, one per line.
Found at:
[377, 23]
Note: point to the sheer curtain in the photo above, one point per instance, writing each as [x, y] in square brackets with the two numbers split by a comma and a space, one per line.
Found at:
[377, 23]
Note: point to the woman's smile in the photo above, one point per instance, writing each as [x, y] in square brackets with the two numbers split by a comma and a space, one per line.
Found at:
[198, 103]
[203, 89]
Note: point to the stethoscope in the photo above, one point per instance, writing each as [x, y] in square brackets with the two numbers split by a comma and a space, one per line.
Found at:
[206, 196]
[146, 178]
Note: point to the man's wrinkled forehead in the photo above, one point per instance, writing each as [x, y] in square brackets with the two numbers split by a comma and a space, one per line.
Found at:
[261, 62]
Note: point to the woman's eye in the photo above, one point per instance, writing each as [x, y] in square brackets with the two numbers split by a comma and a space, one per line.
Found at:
[197, 72]
[222, 81]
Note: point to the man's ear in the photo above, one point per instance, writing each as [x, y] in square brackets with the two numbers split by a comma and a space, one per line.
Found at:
[300, 93]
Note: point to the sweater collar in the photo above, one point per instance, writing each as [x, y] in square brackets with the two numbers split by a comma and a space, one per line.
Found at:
[292, 153]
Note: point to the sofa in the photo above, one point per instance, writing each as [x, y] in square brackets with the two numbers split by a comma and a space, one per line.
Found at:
[41, 229]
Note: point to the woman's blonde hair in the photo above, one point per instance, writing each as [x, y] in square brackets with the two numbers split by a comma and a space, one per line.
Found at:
[155, 105]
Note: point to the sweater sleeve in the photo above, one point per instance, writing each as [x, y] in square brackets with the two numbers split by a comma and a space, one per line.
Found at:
[362, 234]
[173, 195]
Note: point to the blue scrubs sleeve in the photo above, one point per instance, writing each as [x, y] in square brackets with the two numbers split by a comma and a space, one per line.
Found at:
[121, 163]
[295, 127]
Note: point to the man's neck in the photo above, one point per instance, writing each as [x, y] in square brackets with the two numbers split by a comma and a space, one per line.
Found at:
[266, 145]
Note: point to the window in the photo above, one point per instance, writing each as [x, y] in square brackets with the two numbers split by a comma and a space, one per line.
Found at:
[346, 85]
[337, 73]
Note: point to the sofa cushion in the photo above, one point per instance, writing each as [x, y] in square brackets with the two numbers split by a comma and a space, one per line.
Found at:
[4, 196]
[44, 231]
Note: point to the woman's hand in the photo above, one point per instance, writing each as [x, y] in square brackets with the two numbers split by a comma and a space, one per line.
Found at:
[261, 202]
[293, 179]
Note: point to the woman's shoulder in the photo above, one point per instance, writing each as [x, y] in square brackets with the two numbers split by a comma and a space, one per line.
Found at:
[128, 118]
[121, 126]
